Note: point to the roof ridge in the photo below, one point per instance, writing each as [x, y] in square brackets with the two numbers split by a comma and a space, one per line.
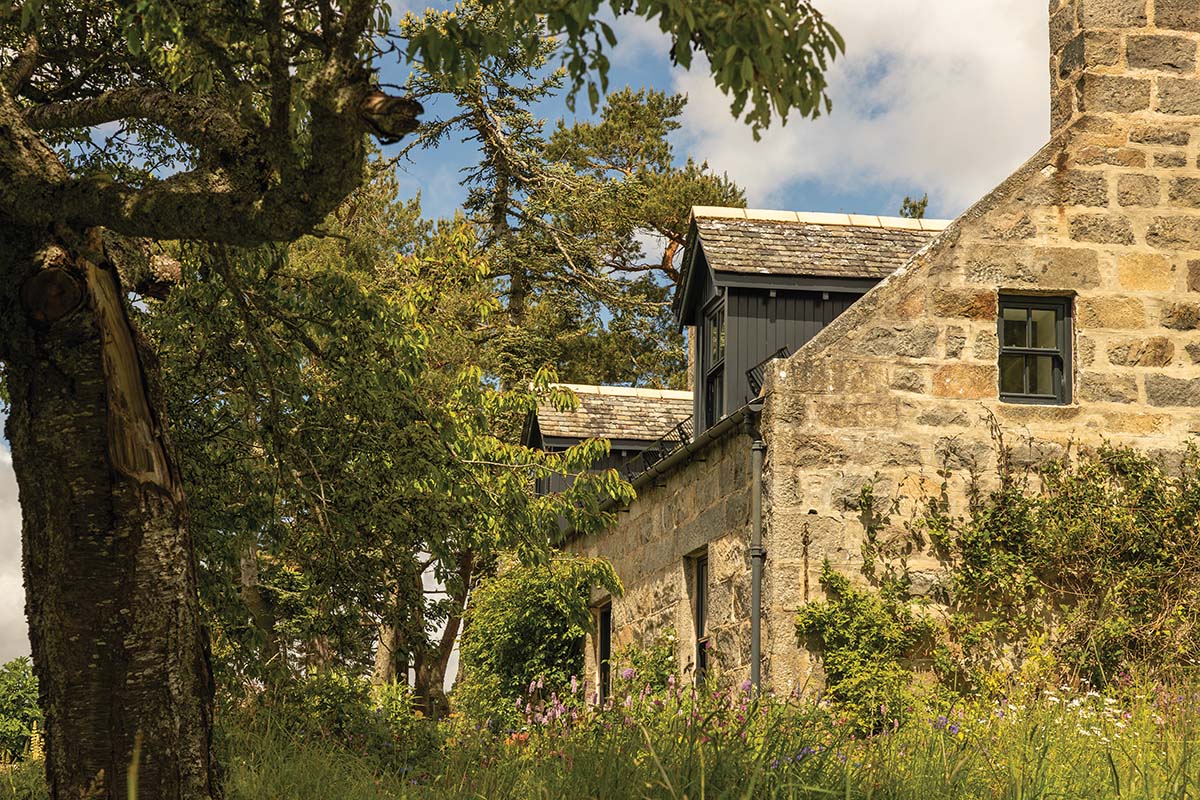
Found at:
[820, 218]
[626, 391]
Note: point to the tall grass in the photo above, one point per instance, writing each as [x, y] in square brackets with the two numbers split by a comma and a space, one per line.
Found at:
[1058, 744]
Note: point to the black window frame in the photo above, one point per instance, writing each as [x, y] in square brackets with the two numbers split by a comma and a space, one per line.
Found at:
[713, 360]
[700, 613]
[1061, 355]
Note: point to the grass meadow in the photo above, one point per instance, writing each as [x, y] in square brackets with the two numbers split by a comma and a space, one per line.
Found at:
[1058, 743]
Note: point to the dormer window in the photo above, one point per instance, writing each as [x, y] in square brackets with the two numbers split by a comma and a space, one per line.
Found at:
[1035, 349]
[759, 284]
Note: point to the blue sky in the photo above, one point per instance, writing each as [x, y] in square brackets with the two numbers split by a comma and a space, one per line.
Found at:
[941, 96]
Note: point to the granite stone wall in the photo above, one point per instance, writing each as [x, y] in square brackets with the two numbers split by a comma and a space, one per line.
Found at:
[906, 381]
[701, 507]
[1107, 214]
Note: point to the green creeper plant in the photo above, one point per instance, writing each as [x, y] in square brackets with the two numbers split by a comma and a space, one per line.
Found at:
[524, 635]
[864, 638]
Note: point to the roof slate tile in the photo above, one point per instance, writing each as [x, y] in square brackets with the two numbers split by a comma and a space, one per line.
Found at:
[617, 412]
[774, 247]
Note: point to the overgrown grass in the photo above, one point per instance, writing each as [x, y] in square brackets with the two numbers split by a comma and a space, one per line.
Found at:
[1056, 744]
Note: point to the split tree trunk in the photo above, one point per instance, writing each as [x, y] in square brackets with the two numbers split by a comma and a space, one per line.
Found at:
[110, 578]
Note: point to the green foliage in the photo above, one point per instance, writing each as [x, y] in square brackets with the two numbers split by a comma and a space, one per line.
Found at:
[338, 439]
[19, 712]
[563, 217]
[769, 56]
[653, 664]
[675, 745]
[1139, 744]
[345, 712]
[524, 631]
[1099, 546]
[913, 208]
[864, 638]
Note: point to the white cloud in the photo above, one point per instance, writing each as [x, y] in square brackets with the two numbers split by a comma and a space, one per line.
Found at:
[946, 95]
[14, 637]
[640, 43]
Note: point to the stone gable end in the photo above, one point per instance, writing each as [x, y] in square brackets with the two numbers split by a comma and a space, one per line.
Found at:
[1107, 214]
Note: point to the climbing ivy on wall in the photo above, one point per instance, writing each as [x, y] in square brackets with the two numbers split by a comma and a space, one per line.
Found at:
[1098, 548]
[864, 638]
[1082, 567]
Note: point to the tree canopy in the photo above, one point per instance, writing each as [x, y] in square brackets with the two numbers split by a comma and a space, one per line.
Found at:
[140, 143]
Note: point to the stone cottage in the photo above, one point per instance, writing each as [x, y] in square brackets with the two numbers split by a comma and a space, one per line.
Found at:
[1065, 305]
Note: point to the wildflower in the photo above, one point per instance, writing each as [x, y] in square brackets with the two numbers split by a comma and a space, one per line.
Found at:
[746, 684]
[940, 722]
[952, 729]
[574, 684]
[628, 673]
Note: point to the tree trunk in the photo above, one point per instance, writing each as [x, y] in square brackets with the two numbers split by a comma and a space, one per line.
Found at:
[391, 662]
[118, 647]
[430, 672]
[261, 614]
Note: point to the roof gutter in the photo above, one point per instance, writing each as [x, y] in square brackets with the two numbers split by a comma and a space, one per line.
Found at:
[684, 452]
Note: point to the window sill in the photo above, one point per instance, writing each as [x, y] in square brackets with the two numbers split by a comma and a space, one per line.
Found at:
[1017, 400]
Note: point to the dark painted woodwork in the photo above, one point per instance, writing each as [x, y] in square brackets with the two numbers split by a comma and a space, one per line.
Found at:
[762, 313]
[758, 325]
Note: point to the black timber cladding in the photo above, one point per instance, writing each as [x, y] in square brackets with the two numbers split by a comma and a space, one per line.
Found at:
[783, 277]
[759, 325]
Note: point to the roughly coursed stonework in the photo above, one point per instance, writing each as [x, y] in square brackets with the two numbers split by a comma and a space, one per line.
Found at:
[702, 506]
[906, 380]
[1110, 213]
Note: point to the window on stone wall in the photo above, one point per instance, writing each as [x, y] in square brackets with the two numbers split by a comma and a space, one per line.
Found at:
[1035, 349]
[700, 609]
[604, 652]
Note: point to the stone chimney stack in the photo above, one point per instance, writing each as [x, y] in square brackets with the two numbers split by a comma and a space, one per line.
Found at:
[1123, 58]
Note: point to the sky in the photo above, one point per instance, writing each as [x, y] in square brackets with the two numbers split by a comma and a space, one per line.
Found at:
[941, 96]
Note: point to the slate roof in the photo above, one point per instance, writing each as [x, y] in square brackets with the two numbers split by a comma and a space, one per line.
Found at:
[750, 241]
[617, 412]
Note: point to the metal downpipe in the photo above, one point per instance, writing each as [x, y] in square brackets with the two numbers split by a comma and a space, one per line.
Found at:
[758, 553]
